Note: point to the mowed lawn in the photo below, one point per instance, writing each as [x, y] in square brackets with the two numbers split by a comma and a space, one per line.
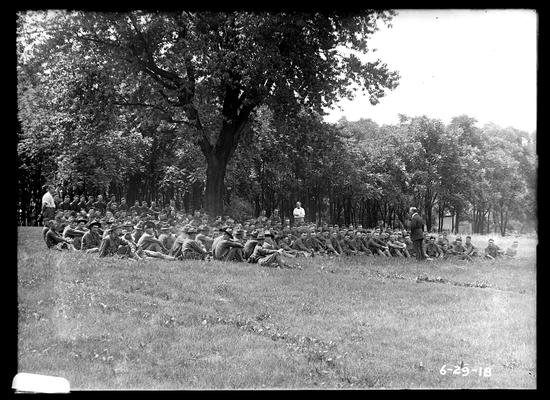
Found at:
[113, 324]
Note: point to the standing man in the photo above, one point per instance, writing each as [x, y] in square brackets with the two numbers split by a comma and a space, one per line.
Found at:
[299, 214]
[417, 234]
[48, 204]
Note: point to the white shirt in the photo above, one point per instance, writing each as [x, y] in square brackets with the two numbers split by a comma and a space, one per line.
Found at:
[299, 212]
[48, 200]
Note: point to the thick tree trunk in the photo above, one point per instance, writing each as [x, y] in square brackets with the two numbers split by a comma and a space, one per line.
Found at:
[215, 175]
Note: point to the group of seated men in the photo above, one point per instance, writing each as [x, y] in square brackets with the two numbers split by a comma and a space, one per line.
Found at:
[443, 248]
[266, 241]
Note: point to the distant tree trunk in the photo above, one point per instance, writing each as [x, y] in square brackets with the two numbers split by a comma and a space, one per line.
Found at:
[488, 220]
[457, 220]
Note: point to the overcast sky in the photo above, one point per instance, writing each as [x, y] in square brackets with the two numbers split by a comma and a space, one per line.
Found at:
[482, 63]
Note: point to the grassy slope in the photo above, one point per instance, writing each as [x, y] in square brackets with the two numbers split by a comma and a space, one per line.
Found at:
[115, 324]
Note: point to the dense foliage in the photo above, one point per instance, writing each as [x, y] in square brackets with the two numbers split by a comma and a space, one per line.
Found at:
[166, 106]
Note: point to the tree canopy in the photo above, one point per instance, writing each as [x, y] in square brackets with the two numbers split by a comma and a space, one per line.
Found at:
[224, 112]
[203, 73]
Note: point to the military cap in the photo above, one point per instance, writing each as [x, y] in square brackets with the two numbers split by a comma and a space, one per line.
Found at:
[78, 220]
[92, 223]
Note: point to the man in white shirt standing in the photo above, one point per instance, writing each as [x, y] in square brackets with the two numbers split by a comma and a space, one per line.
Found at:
[48, 204]
[299, 214]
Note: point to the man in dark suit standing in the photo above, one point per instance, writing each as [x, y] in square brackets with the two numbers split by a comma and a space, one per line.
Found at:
[417, 234]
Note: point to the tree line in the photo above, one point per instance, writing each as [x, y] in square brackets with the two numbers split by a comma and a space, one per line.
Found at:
[223, 112]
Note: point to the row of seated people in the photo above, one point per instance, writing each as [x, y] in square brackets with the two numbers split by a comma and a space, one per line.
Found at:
[156, 239]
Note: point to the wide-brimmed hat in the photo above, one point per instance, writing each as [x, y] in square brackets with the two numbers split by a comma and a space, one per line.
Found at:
[79, 220]
[94, 223]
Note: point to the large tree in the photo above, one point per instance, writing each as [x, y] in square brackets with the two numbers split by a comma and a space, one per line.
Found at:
[207, 72]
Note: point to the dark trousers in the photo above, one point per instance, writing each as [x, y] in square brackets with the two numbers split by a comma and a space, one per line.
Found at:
[418, 249]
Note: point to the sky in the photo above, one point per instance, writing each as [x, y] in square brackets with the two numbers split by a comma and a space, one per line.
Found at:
[482, 63]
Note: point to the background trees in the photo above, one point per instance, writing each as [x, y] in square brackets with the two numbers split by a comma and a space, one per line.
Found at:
[205, 72]
[223, 112]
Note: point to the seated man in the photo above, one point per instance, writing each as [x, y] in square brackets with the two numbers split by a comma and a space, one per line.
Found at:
[204, 237]
[75, 231]
[114, 245]
[360, 244]
[492, 251]
[267, 257]
[285, 243]
[348, 248]
[250, 245]
[91, 239]
[410, 245]
[458, 250]
[443, 243]
[336, 242]
[186, 247]
[313, 243]
[471, 250]
[166, 237]
[150, 245]
[300, 244]
[377, 247]
[329, 247]
[395, 247]
[511, 252]
[54, 240]
[432, 249]
[227, 249]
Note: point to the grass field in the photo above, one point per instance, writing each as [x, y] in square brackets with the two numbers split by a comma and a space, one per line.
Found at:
[111, 324]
